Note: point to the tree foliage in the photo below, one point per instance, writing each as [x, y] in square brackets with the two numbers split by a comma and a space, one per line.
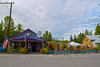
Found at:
[1, 33]
[14, 29]
[87, 32]
[75, 39]
[91, 32]
[60, 41]
[97, 30]
[48, 36]
[71, 38]
[80, 37]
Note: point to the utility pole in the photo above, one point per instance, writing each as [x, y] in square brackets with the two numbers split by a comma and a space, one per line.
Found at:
[99, 13]
[9, 17]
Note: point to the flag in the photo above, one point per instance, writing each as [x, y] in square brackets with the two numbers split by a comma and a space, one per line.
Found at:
[5, 43]
[81, 45]
[89, 45]
[50, 45]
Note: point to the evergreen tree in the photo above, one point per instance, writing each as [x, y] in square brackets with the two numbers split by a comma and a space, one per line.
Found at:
[97, 30]
[80, 37]
[86, 32]
[71, 38]
[13, 30]
[48, 36]
[91, 32]
[20, 28]
[74, 38]
[12, 27]
[45, 35]
[1, 32]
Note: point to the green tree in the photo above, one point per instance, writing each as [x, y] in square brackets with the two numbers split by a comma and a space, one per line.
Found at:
[12, 26]
[80, 37]
[97, 30]
[20, 28]
[71, 38]
[75, 38]
[48, 36]
[14, 30]
[91, 32]
[45, 35]
[86, 32]
[1, 32]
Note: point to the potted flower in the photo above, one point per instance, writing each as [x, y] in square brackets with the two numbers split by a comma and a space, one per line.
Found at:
[46, 51]
[23, 50]
[42, 51]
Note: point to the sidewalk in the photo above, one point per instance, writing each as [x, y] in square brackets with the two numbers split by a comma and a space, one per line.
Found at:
[52, 55]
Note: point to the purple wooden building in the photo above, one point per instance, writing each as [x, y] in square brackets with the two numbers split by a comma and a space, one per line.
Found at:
[34, 43]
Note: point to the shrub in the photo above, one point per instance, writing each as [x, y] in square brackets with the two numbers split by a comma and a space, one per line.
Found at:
[4, 52]
[9, 49]
[73, 47]
[23, 50]
[92, 48]
[67, 49]
[41, 51]
[44, 50]
[16, 49]
[98, 46]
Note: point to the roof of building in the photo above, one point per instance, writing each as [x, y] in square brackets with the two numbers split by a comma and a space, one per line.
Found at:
[93, 37]
[74, 43]
[24, 32]
[96, 41]
[23, 37]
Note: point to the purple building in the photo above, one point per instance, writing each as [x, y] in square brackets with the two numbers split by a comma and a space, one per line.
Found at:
[27, 39]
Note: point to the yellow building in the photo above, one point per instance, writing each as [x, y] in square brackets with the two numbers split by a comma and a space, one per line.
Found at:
[91, 39]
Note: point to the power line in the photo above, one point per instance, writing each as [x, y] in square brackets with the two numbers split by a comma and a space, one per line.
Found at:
[4, 11]
[15, 17]
[6, 6]
[10, 15]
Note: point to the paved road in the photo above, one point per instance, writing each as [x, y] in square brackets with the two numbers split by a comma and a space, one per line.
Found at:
[38, 60]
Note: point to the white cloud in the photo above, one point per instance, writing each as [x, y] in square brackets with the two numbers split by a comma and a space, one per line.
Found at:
[61, 17]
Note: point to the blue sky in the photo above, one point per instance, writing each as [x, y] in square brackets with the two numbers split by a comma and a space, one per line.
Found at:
[61, 17]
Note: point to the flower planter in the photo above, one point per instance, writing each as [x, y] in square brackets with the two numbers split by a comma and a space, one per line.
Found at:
[98, 51]
[50, 52]
[63, 52]
[42, 53]
[78, 51]
[2, 49]
[14, 51]
[67, 52]
[91, 51]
